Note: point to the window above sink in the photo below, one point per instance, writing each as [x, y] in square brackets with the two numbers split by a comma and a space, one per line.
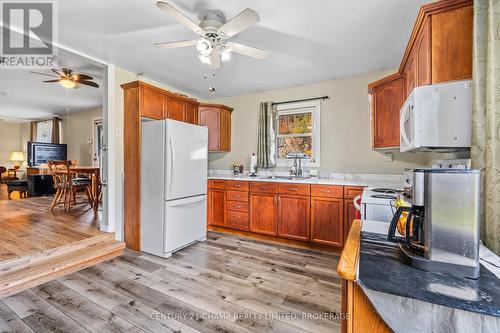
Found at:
[298, 131]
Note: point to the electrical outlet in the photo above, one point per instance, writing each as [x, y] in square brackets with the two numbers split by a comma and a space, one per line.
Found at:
[388, 157]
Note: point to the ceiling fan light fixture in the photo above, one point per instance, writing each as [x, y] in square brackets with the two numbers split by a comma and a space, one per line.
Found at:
[225, 55]
[204, 59]
[66, 83]
[204, 47]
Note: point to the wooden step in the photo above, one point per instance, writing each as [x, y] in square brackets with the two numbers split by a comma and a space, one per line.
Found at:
[58, 264]
[9, 265]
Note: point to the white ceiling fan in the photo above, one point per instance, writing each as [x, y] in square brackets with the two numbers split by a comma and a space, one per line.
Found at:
[214, 44]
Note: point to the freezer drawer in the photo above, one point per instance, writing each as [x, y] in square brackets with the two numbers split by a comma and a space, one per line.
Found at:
[185, 223]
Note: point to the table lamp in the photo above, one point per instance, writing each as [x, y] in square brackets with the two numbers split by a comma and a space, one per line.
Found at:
[17, 157]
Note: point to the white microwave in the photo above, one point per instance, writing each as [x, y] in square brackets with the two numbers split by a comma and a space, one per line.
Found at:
[437, 117]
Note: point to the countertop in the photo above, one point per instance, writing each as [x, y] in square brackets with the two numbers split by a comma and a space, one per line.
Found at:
[390, 181]
[380, 270]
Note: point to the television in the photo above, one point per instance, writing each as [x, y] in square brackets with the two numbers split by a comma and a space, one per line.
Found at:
[42, 152]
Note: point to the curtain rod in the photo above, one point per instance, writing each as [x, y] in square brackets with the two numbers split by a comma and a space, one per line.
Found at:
[303, 100]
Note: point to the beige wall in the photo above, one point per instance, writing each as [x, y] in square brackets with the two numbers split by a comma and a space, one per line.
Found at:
[345, 127]
[77, 127]
[10, 140]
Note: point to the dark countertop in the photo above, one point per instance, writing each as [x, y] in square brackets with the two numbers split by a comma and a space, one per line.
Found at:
[380, 270]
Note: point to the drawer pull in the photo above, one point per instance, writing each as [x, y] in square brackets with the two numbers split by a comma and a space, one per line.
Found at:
[262, 187]
[236, 196]
[293, 189]
[237, 206]
[325, 191]
[237, 185]
[237, 217]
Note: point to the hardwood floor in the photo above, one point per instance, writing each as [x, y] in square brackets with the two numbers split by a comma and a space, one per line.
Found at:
[227, 284]
[28, 226]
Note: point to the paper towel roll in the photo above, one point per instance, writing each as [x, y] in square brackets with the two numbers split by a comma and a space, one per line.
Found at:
[253, 164]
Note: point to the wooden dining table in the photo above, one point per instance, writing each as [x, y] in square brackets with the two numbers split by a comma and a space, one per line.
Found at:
[94, 173]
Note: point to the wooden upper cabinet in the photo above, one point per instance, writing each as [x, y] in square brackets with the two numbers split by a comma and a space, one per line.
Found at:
[423, 55]
[452, 44]
[218, 120]
[387, 100]
[191, 113]
[175, 109]
[410, 74]
[152, 104]
[439, 50]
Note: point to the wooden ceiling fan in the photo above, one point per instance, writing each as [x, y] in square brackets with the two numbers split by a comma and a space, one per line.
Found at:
[69, 79]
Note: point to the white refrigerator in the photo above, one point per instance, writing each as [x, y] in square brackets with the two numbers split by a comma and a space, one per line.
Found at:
[173, 185]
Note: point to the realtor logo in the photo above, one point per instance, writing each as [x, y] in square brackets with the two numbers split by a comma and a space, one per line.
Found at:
[28, 34]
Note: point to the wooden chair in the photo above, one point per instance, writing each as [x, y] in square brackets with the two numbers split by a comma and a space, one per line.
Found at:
[65, 185]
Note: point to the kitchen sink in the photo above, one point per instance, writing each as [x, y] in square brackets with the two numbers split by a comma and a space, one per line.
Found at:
[284, 177]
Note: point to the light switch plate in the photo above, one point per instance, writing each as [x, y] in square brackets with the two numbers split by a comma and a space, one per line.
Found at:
[388, 157]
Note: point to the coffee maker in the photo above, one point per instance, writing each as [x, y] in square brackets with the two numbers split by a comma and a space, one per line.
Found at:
[441, 233]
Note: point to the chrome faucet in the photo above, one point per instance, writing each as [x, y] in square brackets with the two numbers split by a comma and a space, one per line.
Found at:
[296, 169]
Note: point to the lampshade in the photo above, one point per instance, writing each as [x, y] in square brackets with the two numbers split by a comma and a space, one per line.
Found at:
[16, 156]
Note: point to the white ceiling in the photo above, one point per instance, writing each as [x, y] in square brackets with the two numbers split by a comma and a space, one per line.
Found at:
[23, 96]
[307, 40]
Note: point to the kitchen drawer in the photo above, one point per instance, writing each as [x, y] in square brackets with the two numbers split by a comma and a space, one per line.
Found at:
[328, 191]
[351, 192]
[296, 189]
[237, 220]
[237, 196]
[237, 206]
[216, 183]
[264, 187]
[237, 185]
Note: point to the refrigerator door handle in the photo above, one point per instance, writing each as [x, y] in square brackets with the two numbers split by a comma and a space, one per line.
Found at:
[170, 172]
[186, 201]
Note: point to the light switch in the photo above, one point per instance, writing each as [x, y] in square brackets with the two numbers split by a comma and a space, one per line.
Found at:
[388, 157]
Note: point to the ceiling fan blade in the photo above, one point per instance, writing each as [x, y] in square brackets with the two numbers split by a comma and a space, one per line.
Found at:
[53, 80]
[214, 60]
[78, 77]
[58, 71]
[89, 83]
[179, 16]
[33, 72]
[248, 50]
[171, 45]
[240, 22]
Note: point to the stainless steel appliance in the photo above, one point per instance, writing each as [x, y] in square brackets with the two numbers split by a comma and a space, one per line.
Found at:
[377, 203]
[441, 229]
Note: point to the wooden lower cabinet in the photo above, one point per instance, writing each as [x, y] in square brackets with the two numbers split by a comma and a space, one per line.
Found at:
[294, 217]
[264, 213]
[327, 221]
[320, 214]
[216, 207]
[349, 215]
[237, 220]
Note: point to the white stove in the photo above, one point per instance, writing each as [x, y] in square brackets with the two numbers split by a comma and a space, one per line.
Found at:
[377, 203]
